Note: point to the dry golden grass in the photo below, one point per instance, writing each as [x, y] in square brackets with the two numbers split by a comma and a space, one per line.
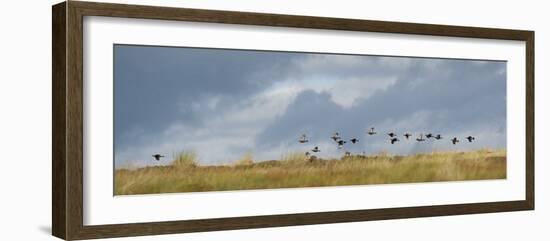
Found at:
[246, 160]
[184, 159]
[297, 170]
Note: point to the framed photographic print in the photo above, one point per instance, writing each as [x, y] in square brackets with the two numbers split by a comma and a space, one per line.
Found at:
[171, 120]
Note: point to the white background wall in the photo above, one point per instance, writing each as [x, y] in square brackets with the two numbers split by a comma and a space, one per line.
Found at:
[25, 120]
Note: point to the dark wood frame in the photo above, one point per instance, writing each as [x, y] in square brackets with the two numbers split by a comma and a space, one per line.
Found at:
[67, 78]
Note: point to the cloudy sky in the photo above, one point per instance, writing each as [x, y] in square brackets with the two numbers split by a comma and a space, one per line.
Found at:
[225, 103]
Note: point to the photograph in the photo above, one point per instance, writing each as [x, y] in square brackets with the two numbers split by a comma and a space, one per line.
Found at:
[181, 120]
[190, 119]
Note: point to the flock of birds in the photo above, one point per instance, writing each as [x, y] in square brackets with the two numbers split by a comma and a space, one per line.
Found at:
[340, 141]
[393, 138]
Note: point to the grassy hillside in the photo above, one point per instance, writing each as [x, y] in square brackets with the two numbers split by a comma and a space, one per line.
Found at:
[297, 170]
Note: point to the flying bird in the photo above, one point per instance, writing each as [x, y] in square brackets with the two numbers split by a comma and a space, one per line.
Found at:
[354, 140]
[429, 135]
[341, 144]
[421, 138]
[470, 138]
[455, 140]
[315, 149]
[393, 140]
[336, 136]
[391, 134]
[303, 139]
[158, 156]
[407, 135]
[438, 137]
[371, 131]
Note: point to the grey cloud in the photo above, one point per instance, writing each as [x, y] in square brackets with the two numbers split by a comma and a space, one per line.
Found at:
[458, 94]
[156, 86]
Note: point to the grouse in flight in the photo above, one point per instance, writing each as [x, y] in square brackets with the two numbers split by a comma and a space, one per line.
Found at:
[407, 135]
[336, 136]
[303, 139]
[421, 138]
[316, 149]
[158, 156]
[391, 134]
[371, 131]
[438, 137]
[393, 140]
[470, 138]
[354, 140]
[341, 144]
[455, 140]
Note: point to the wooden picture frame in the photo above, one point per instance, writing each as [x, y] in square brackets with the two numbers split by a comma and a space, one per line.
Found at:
[67, 150]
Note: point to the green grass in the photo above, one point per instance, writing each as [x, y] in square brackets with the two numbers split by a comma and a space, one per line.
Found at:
[297, 170]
